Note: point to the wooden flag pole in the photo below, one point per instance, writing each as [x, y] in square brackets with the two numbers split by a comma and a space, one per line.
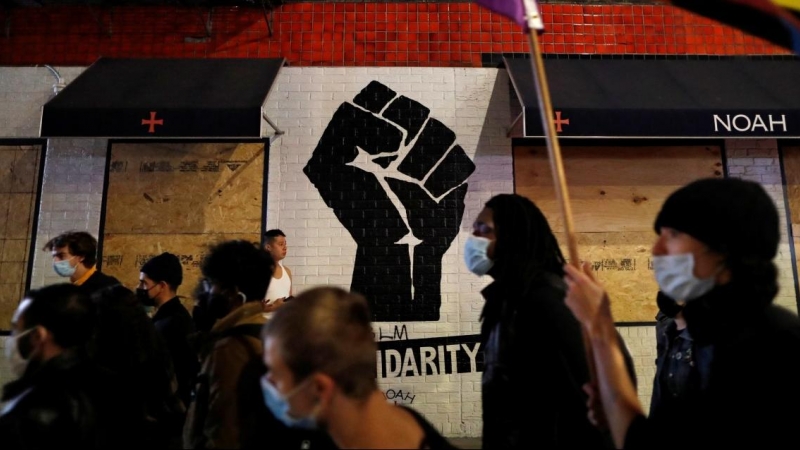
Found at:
[557, 169]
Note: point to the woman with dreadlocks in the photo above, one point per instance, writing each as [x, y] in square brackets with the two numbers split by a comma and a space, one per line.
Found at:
[525, 324]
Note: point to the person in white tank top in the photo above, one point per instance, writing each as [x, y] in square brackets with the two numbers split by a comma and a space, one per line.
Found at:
[280, 286]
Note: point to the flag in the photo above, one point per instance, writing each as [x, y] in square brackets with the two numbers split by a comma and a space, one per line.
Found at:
[777, 21]
[788, 4]
[524, 12]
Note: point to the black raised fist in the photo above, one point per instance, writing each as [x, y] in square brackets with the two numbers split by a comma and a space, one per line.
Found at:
[396, 180]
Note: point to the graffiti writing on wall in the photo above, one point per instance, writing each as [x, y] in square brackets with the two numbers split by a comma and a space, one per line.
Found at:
[397, 333]
[396, 180]
[617, 265]
[399, 397]
[431, 356]
[623, 264]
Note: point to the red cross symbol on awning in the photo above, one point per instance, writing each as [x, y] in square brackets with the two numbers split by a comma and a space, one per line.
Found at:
[153, 122]
[558, 121]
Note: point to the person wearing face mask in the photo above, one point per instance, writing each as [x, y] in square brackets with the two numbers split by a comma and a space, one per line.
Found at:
[727, 369]
[51, 404]
[320, 355]
[159, 279]
[525, 323]
[75, 257]
[236, 276]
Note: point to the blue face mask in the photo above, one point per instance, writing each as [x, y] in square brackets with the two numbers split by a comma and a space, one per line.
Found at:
[64, 268]
[279, 406]
[475, 255]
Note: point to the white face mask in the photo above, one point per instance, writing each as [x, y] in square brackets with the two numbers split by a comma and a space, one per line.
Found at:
[475, 255]
[675, 277]
[14, 358]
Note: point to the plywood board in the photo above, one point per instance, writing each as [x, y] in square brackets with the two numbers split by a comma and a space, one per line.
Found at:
[615, 194]
[622, 262]
[185, 188]
[7, 157]
[612, 189]
[15, 250]
[20, 215]
[19, 172]
[791, 170]
[179, 198]
[26, 169]
[10, 296]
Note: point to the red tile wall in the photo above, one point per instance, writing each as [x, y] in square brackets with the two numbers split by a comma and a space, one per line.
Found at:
[357, 34]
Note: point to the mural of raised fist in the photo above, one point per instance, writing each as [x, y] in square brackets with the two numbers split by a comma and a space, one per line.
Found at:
[396, 180]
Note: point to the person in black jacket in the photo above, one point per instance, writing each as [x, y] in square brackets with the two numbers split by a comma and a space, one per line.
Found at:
[75, 257]
[535, 360]
[127, 344]
[159, 279]
[58, 400]
[727, 365]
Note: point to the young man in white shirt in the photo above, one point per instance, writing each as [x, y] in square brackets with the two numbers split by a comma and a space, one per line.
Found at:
[280, 287]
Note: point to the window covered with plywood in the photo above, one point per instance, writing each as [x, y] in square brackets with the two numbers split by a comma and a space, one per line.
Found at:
[179, 198]
[616, 193]
[19, 183]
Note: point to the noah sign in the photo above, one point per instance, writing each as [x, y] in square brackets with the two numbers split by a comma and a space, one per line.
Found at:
[750, 123]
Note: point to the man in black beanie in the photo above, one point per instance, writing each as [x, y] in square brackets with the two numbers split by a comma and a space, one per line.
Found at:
[158, 284]
[727, 358]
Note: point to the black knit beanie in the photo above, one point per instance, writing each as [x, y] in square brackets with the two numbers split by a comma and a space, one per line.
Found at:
[733, 217]
[164, 267]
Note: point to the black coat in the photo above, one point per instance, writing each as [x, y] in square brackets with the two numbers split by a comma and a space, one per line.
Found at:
[174, 324]
[96, 282]
[66, 402]
[749, 387]
[535, 367]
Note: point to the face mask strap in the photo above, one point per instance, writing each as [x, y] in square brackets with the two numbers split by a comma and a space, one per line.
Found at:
[18, 338]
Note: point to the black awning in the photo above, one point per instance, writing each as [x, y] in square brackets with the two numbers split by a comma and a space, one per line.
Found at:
[705, 98]
[158, 98]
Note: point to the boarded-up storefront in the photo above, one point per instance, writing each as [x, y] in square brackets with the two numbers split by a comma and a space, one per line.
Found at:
[173, 196]
[616, 193]
[179, 198]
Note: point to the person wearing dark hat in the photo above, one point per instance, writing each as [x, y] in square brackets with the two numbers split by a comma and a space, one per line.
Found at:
[159, 279]
[728, 360]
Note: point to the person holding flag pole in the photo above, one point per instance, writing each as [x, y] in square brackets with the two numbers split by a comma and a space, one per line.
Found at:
[557, 427]
[728, 360]
[526, 14]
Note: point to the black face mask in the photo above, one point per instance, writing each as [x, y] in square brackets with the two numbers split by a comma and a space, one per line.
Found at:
[143, 295]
